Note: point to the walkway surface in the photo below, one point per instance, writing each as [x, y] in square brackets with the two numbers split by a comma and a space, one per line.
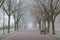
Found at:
[28, 35]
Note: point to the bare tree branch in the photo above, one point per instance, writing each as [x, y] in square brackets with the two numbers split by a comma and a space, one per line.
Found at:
[57, 14]
[14, 11]
[56, 6]
[2, 1]
[5, 10]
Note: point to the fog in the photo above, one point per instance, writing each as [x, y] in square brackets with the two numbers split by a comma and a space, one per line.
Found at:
[28, 19]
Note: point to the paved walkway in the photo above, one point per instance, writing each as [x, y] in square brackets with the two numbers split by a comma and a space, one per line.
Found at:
[28, 35]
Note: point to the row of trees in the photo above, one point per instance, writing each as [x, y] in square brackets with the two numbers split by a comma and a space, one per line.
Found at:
[46, 10]
[13, 8]
[49, 8]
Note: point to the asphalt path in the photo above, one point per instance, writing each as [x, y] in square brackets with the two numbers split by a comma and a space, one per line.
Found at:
[28, 35]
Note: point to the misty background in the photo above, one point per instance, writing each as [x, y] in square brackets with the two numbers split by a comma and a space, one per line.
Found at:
[28, 19]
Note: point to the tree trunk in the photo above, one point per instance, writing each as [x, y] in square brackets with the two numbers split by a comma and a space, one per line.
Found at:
[17, 22]
[3, 25]
[8, 24]
[48, 27]
[53, 27]
[40, 25]
[15, 26]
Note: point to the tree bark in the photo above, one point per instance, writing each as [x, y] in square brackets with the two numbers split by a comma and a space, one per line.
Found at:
[48, 27]
[53, 27]
[8, 24]
[3, 25]
[15, 26]
[39, 25]
[17, 22]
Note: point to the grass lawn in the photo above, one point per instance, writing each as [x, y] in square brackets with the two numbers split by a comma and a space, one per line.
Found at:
[57, 35]
[5, 31]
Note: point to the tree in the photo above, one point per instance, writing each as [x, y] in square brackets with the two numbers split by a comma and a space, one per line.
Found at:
[51, 10]
[54, 11]
[46, 12]
[19, 14]
[38, 12]
[9, 9]
[1, 3]
[37, 16]
[3, 23]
